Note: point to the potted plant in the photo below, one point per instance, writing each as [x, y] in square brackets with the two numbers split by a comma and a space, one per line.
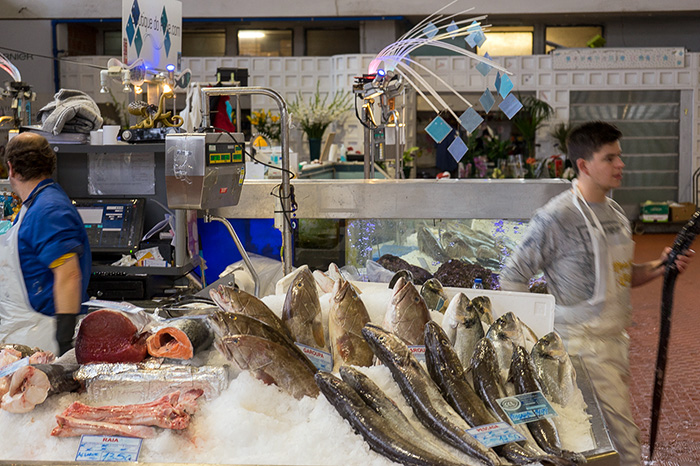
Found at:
[409, 155]
[534, 114]
[316, 114]
[559, 134]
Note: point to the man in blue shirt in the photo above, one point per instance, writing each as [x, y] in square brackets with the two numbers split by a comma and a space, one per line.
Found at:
[45, 259]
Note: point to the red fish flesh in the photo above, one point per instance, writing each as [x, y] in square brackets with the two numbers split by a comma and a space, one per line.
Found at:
[109, 336]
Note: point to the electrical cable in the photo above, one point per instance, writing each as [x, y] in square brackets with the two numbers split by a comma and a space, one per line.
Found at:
[279, 195]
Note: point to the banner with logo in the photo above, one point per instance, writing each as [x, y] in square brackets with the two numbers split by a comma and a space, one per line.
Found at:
[152, 30]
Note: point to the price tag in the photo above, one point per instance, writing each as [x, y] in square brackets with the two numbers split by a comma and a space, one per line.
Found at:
[492, 435]
[321, 359]
[527, 407]
[14, 367]
[104, 448]
[418, 351]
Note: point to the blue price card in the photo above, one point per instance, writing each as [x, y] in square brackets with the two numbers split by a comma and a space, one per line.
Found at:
[321, 359]
[527, 407]
[492, 435]
[105, 448]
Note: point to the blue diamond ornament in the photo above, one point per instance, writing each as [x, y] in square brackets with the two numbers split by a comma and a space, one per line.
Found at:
[438, 129]
[470, 120]
[458, 148]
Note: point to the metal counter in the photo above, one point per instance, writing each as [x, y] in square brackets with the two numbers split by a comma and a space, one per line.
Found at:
[405, 199]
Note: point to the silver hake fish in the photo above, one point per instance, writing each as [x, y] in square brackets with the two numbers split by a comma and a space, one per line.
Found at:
[554, 369]
[463, 327]
[522, 374]
[423, 395]
[448, 373]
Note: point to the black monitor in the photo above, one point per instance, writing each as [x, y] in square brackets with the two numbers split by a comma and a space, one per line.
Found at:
[112, 225]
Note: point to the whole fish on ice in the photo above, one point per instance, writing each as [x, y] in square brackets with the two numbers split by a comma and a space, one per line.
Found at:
[301, 312]
[232, 299]
[406, 314]
[554, 369]
[463, 327]
[347, 316]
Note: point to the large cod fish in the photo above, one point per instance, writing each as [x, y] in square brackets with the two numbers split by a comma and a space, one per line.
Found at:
[406, 314]
[347, 317]
[301, 312]
[423, 395]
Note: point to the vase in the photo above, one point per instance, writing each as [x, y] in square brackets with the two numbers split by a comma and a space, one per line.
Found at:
[314, 148]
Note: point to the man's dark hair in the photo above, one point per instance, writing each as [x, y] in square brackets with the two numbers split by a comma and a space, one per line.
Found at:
[31, 156]
[588, 138]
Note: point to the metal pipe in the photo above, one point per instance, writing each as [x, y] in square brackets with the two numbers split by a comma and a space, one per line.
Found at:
[256, 280]
[180, 237]
[285, 194]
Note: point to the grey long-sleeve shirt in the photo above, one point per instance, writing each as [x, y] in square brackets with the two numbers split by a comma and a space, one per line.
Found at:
[558, 243]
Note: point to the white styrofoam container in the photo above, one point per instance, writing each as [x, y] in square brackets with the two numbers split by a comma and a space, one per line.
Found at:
[536, 310]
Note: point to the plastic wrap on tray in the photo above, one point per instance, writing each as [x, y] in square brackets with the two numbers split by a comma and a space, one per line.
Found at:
[150, 379]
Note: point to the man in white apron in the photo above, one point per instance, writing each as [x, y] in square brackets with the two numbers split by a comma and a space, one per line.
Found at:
[582, 242]
[44, 257]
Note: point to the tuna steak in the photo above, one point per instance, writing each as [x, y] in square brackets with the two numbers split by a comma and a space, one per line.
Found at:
[109, 336]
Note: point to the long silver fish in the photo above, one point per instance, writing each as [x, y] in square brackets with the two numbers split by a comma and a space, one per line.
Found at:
[376, 399]
[270, 362]
[448, 373]
[377, 431]
[231, 323]
[463, 327]
[423, 395]
[346, 318]
[301, 312]
[554, 369]
[522, 374]
[232, 299]
[406, 314]
[488, 384]
[434, 296]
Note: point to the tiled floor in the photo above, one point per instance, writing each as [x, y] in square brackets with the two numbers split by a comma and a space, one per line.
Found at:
[678, 441]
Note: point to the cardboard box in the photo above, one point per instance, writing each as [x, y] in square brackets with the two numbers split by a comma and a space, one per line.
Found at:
[682, 212]
[654, 212]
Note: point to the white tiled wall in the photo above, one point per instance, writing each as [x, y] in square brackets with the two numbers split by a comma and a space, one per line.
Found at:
[290, 75]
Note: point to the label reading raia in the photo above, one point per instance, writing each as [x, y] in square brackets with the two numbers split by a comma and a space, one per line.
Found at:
[103, 448]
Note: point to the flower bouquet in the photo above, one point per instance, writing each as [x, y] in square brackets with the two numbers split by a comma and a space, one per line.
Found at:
[266, 124]
[316, 114]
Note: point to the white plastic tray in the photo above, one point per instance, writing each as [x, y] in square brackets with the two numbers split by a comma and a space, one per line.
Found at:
[536, 310]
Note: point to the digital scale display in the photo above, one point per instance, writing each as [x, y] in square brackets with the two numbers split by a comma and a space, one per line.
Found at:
[112, 225]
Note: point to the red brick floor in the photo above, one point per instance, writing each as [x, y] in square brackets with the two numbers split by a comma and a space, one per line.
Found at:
[678, 442]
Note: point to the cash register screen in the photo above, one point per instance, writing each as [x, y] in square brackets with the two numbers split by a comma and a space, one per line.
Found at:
[112, 225]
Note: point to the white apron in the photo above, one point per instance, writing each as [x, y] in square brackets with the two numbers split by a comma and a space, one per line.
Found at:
[19, 322]
[595, 331]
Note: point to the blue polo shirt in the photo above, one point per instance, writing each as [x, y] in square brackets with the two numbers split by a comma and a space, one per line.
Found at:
[50, 229]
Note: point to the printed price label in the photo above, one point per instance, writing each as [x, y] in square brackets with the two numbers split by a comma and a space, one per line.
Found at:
[418, 351]
[492, 435]
[527, 407]
[321, 359]
[104, 448]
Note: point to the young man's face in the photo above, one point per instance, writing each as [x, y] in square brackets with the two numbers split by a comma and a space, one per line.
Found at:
[605, 167]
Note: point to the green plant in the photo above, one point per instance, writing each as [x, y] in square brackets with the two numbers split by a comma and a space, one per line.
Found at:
[534, 114]
[122, 110]
[316, 114]
[410, 154]
[559, 134]
[497, 148]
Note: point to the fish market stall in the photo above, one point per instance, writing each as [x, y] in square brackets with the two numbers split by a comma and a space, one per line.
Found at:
[239, 419]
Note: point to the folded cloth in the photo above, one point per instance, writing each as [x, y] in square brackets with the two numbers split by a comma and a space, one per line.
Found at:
[71, 111]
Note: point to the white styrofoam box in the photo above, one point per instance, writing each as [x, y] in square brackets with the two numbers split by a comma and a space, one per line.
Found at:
[536, 310]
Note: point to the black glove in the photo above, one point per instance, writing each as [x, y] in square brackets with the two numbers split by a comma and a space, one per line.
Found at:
[65, 328]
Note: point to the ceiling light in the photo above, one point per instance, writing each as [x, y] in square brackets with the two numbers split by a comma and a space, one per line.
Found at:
[251, 34]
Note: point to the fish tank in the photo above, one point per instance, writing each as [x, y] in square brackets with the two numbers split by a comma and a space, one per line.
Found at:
[455, 251]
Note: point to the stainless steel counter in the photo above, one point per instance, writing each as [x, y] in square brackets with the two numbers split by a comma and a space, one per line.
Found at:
[407, 199]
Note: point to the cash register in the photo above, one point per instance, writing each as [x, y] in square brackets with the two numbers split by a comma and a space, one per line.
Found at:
[115, 227]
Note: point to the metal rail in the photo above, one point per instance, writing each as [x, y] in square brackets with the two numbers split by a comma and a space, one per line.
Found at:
[285, 192]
